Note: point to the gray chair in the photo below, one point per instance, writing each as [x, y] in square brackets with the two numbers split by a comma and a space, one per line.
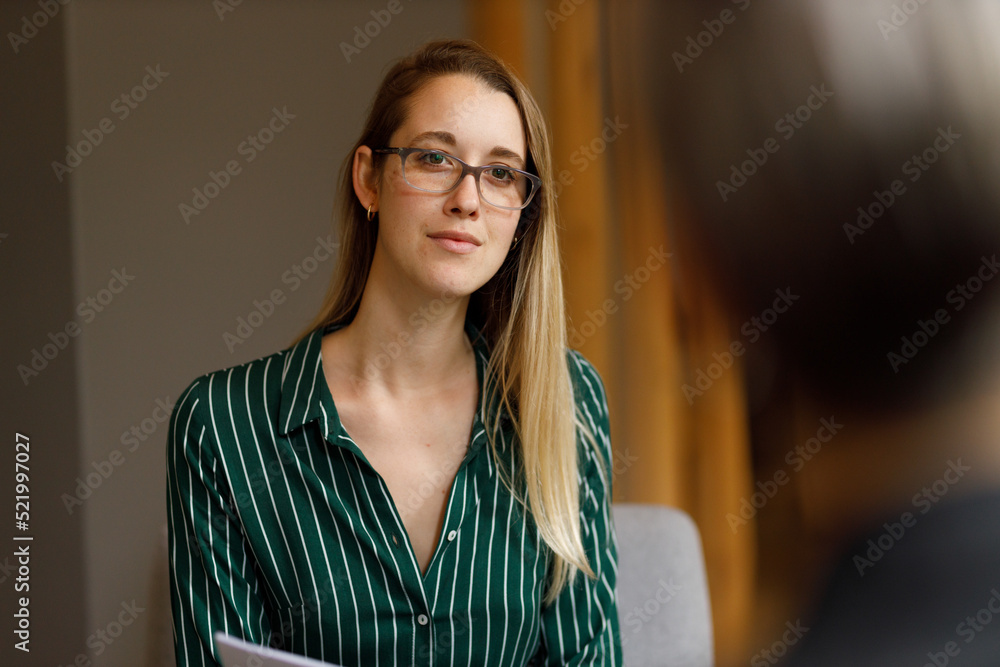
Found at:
[663, 599]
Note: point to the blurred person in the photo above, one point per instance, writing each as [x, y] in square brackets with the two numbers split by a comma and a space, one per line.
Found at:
[421, 478]
[848, 154]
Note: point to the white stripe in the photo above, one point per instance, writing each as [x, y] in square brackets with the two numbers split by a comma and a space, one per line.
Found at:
[180, 449]
[399, 573]
[489, 569]
[295, 514]
[371, 591]
[302, 369]
[506, 571]
[454, 586]
[312, 508]
[475, 540]
[246, 473]
[350, 579]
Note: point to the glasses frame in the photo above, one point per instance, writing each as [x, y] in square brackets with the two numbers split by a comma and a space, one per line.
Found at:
[467, 169]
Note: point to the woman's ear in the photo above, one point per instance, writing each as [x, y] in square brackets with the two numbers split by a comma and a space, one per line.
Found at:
[365, 178]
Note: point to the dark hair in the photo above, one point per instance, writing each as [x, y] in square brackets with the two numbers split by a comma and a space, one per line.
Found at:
[856, 167]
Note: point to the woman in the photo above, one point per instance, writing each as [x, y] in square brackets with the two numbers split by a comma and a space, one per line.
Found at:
[420, 479]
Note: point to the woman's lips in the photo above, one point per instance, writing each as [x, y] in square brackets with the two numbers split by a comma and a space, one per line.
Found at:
[457, 242]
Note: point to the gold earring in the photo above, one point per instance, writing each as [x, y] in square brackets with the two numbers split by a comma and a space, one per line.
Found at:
[514, 243]
[371, 216]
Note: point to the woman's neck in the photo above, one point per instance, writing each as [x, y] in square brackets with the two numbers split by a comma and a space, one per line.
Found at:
[404, 341]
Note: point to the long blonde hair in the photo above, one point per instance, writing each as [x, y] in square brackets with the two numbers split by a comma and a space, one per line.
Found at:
[520, 311]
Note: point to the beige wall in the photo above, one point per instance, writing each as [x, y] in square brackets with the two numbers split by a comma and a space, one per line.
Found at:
[118, 210]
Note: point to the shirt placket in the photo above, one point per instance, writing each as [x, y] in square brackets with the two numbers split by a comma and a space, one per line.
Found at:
[463, 509]
[398, 549]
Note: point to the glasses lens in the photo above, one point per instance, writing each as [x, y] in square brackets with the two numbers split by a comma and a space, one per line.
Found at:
[504, 187]
[434, 172]
[439, 172]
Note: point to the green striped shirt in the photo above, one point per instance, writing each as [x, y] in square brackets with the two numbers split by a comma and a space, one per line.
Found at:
[282, 533]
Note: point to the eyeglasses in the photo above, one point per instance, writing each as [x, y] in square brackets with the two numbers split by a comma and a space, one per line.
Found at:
[437, 171]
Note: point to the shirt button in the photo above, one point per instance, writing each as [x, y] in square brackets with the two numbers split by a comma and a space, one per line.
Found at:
[452, 535]
[422, 620]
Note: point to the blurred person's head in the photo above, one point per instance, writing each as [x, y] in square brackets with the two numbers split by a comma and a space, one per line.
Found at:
[849, 152]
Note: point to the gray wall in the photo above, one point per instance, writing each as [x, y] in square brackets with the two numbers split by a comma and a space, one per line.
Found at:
[190, 280]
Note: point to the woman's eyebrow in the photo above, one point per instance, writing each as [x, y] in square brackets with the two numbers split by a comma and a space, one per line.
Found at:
[449, 139]
[512, 155]
[439, 135]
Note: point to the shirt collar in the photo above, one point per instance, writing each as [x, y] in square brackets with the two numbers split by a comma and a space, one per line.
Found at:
[305, 395]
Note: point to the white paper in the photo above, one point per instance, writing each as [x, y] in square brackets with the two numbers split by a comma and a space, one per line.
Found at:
[238, 653]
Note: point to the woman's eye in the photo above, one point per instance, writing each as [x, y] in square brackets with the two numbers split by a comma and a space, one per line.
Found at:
[434, 158]
[501, 174]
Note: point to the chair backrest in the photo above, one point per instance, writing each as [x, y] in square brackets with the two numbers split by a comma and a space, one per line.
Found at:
[663, 599]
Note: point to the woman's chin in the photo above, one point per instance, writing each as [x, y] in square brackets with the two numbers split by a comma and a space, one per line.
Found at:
[452, 285]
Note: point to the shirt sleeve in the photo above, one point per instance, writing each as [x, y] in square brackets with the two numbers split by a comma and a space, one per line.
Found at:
[213, 583]
[581, 627]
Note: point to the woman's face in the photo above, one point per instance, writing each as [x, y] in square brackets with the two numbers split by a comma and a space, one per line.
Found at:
[449, 243]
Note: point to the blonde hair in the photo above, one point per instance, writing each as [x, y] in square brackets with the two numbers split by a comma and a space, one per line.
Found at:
[520, 311]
